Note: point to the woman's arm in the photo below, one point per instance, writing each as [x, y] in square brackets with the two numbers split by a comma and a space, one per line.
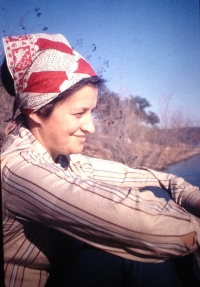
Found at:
[118, 219]
[183, 193]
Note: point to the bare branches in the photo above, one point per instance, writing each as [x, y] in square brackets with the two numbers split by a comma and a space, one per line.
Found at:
[128, 134]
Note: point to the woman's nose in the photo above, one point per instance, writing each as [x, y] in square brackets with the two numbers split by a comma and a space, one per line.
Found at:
[88, 125]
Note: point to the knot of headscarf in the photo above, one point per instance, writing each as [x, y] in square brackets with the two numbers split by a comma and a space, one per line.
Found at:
[42, 66]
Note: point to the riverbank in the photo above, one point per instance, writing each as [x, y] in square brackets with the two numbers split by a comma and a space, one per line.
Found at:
[176, 155]
[139, 153]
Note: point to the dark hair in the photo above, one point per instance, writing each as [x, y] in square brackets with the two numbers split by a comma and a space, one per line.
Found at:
[46, 110]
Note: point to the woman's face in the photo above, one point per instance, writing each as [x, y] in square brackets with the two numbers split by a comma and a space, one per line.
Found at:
[64, 131]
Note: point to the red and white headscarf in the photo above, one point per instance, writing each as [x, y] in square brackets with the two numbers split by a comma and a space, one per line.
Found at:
[42, 66]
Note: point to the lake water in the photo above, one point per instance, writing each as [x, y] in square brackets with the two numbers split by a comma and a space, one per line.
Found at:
[188, 169]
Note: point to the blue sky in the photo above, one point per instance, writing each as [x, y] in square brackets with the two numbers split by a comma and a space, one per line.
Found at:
[153, 46]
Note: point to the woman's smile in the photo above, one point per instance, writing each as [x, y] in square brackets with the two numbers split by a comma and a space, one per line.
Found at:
[81, 137]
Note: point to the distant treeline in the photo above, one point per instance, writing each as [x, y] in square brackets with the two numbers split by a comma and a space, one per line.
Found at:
[190, 135]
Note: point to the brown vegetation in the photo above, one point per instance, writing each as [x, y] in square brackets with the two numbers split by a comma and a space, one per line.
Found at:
[6, 103]
[125, 132]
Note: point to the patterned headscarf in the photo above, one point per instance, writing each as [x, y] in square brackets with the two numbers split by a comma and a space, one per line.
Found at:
[42, 66]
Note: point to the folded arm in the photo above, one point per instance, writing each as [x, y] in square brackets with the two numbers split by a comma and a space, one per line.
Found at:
[116, 218]
[183, 193]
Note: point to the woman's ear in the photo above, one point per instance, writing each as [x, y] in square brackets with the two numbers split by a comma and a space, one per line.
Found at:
[34, 124]
[34, 118]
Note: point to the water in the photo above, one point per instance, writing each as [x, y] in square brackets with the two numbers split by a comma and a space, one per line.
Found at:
[188, 169]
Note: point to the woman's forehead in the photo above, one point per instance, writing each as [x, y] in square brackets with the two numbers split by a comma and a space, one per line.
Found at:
[84, 98]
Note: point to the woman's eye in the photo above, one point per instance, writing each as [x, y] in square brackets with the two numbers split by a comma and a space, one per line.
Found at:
[79, 114]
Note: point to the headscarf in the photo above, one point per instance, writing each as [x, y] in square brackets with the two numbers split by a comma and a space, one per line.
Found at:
[42, 66]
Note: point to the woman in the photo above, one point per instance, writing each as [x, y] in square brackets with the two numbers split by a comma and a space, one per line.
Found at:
[62, 210]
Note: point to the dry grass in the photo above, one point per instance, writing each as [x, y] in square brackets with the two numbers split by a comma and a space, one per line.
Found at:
[138, 153]
[6, 103]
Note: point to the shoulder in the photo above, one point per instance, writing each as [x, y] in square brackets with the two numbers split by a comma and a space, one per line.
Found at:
[22, 147]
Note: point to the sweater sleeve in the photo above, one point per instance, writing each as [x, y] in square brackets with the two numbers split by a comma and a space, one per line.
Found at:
[182, 192]
[113, 215]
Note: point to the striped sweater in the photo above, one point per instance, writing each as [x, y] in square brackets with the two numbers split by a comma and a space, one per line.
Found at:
[103, 203]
